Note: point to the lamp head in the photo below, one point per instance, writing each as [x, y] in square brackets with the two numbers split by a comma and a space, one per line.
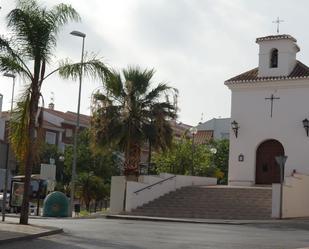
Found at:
[234, 125]
[193, 130]
[78, 33]
[306, 126]
[9, 75]
[306, 123]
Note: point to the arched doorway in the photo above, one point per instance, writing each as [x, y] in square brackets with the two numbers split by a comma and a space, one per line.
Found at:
[267, 170]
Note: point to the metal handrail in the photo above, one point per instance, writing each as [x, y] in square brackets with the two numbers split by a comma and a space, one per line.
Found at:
[150, 186]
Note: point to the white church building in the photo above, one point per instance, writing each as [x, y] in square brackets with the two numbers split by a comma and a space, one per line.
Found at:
[269, 114]
[269, 105]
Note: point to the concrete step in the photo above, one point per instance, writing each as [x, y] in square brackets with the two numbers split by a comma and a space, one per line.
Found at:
[211, 203]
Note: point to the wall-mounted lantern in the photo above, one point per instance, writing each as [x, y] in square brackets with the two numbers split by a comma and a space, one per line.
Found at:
[306, 126]
[235, 128]
[241, 158]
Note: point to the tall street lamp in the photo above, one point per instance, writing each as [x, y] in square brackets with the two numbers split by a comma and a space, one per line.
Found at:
[193, 131]
[281, 162]
[6, 178]
[213, 151]
[82, 35]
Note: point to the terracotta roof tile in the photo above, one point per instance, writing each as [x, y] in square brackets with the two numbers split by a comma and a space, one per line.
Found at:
[275, 37]
[203, 137]
[70, 117]
[300, 71]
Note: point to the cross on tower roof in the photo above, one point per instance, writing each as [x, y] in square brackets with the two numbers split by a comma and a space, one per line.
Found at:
[278, 21]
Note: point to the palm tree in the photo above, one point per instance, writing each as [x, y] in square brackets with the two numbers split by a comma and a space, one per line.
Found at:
[130, 113]
[28, 52]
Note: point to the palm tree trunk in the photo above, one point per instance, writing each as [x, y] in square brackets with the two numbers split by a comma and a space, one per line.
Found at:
[34, 101]
[132, 159]
[149, 157]
[87, 202]
[29, 163]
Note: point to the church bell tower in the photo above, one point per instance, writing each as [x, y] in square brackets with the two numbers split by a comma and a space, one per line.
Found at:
[277, 55]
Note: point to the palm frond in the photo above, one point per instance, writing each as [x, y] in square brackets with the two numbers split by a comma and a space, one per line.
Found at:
[93, 68]
[61, 14]
[7, 51]
[35, 28]
[9, 64]
[19, 132]
[140, 78]
[113, 84]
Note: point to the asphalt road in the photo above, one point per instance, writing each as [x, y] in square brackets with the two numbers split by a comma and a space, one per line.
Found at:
[128, 234]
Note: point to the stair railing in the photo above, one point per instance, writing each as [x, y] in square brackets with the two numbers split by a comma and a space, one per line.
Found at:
[154, 184]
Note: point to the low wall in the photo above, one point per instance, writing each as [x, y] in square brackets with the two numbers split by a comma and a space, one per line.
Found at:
[118, 187]
[134, 200]
[295, 196]
[149, 179]
[275, 211]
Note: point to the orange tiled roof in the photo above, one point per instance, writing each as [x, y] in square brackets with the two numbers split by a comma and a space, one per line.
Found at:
[300, 71]
[70, 117]
[276, 37]
[203, 137]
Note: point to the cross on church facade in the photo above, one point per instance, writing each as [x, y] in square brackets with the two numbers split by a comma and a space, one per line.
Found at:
[272, 98]
[278, 21]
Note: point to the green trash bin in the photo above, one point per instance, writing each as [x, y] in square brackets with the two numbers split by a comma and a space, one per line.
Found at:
[56, 204]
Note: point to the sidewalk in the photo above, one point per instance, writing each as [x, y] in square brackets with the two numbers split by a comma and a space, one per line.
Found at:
[10, 232]
[90, 216]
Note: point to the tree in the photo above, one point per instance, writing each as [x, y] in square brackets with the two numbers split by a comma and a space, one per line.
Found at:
[47, 152]
[181, 157]
[101, 191]
[94, 170]
[28, 52]
[129, 113]
[91, 187]
[85, 187]
[221, 158]
[103, 164]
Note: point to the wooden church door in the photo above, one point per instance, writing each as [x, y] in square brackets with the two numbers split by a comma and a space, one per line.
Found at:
[267, 170]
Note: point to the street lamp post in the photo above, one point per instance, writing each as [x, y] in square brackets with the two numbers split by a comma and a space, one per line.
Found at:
[281, 162]
[60, 171]
[6, 178]
[193, 131]
[213, 152]
[73, 179]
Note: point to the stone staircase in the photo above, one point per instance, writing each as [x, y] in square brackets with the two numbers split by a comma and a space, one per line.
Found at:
[211, 202]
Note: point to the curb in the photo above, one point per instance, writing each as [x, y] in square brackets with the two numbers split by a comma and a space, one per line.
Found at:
[32, 236]
[47, 218]
[160, 219]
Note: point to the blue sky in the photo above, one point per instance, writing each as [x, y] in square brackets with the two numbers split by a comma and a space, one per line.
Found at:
[194, 45]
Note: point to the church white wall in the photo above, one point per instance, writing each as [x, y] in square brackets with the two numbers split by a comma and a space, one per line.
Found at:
[286, 57]
[252, 112]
